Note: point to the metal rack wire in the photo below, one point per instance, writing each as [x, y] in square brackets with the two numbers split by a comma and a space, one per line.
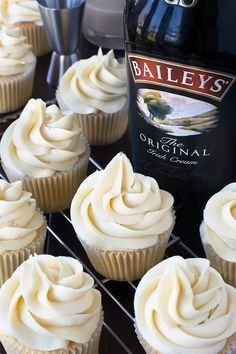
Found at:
[118, 334]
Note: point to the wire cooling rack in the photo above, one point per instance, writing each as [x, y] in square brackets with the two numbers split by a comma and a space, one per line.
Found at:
[118, 335]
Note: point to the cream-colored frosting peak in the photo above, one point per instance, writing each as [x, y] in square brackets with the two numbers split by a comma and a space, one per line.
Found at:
[95, 84]
[15, 55]
[19, 219]
[42, 141]
[56, 304]
[119, 209]
[184, 307]
[218, 228]
[17, 11]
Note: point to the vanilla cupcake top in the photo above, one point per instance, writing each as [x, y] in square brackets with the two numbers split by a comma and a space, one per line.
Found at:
[15, 55]
[95, 84]
[19, 219]
[42, 141]
[56, 304]
[185, 307]
[219, 223]
[17, 11]
[118, 209]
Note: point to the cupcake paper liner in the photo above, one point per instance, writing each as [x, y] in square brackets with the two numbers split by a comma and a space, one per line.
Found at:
[226, 269]
[10, 260]
[13, 346]
[229, 348]
[54, 193]
[37, 37]
[127, 265]
[16, 90]
[100, 128]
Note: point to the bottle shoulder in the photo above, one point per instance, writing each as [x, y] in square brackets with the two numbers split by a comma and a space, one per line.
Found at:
[203, 31]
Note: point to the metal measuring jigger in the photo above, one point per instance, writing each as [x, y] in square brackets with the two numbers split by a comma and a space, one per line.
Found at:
[62, 20]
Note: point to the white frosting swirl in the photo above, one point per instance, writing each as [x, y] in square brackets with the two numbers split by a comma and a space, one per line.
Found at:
[119, 209]
[56, 304]
[18, 11]
[42, 141]
[95, 84]
[19, 219]
[15, 55]
[218, 228]
[184, 307]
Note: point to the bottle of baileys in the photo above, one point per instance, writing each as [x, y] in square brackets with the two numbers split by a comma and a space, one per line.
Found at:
[181, 57]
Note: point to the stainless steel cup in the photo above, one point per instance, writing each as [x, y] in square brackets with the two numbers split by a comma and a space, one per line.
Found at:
[62, 20]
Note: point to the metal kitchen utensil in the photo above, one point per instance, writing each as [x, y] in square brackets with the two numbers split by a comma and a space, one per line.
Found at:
[62, 20]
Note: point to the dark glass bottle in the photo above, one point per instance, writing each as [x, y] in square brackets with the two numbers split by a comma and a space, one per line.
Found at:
[181, 57]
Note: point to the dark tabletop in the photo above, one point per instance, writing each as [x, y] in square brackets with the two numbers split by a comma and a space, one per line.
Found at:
[117, 297]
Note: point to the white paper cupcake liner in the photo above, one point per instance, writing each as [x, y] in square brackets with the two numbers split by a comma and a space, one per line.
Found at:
[12, 346]
[226, 269]
[53, 194]
[147, 348]
[100, 128]
[36, 36]
[229, 348]
[16, 90]
[127, 265]
[10, 260]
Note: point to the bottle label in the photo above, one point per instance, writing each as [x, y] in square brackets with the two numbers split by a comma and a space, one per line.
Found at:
[183, 77]
[180, 121]
[184, 3]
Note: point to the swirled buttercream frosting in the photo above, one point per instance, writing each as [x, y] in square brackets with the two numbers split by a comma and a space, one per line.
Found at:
[57, 304]
[95, 84]
[19, 219]
[18, 11]
[118, 209]
[185, 307]
[42, 141]
[15, 55]
[218, 228]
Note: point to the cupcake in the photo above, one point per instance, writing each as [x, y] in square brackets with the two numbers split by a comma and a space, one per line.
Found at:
[17, 68]
[183, 306]
[57, 311]
[26, 16]
[218, 232]
[46, 150]
[123, 220]
[96, 90]
[22, 228]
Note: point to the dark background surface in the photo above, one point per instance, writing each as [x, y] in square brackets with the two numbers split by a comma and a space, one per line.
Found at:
[115, 295]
